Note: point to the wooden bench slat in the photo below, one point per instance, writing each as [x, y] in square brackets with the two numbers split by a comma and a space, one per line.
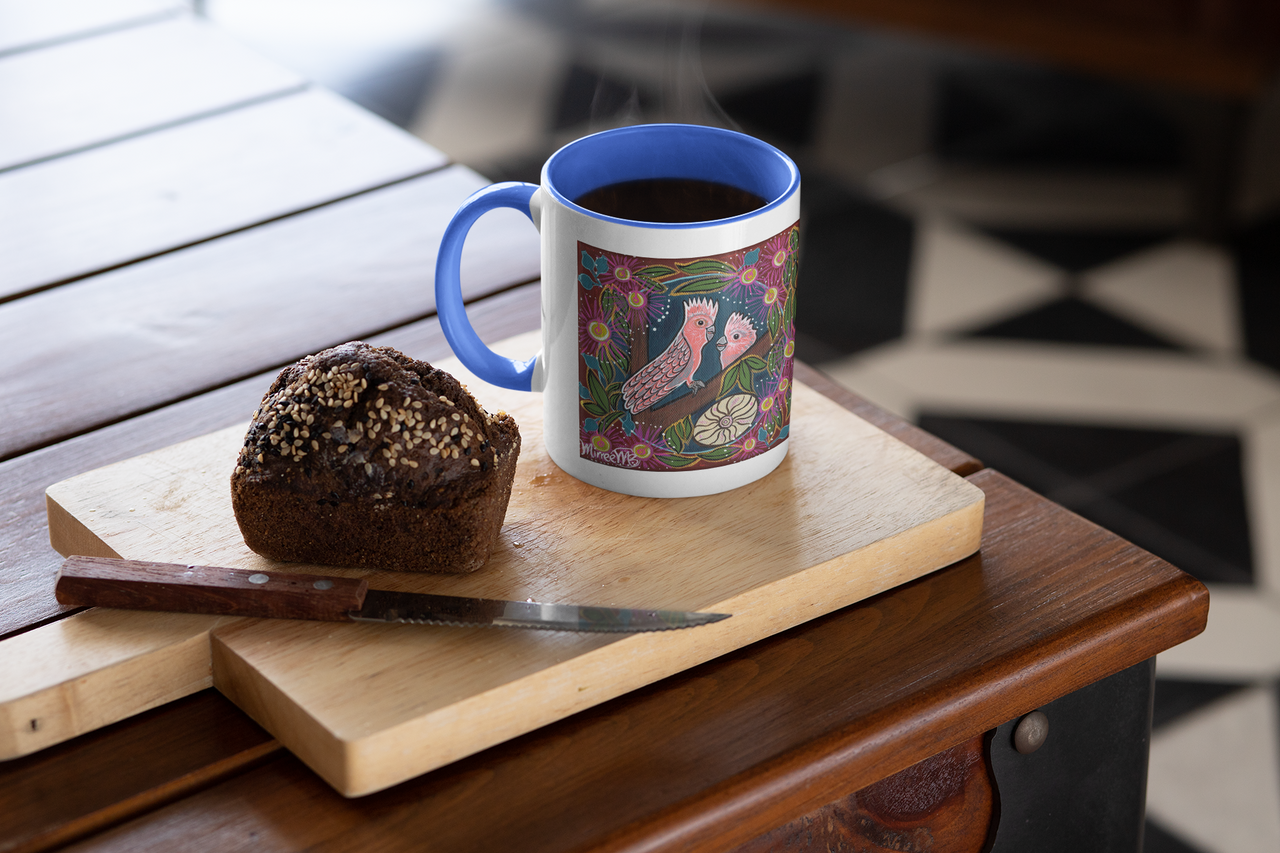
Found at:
[75, 215]
[28, 564]
[723, 752]
[231, 307]
[90, 91]
[72, 790]
[25, 25]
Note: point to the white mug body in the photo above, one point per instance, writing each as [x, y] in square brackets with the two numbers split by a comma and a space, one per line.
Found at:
[565, 229]
[668, 346]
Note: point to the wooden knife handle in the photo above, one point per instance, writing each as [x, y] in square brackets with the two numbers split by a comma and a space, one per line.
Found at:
[138, 585]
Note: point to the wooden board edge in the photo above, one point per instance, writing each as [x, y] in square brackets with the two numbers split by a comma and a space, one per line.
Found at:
[268, 706]
[360, 766]
[68, 535]
[118, 685]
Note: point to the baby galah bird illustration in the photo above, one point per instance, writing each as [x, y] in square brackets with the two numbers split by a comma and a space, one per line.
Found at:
[738, 337]
[678, 362]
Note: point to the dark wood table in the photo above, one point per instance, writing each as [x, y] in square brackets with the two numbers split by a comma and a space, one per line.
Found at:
[181, 219]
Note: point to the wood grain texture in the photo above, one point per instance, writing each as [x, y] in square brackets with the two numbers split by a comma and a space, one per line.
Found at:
[110, 205]
[25, 25]
[70, 791]
[908, 433]
[944, 804]
[180, 588]
[232, 307]
[90, 91]
[109, 666]
[717, 755]
[851, 512]
[27, 562]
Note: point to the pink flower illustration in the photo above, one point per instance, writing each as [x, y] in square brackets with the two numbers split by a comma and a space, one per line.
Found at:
[597, 334]
[621, 270]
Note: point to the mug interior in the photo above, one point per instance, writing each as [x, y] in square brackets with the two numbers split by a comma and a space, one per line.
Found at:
[670, 151]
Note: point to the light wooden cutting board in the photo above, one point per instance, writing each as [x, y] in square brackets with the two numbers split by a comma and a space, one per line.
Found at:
[850, 513]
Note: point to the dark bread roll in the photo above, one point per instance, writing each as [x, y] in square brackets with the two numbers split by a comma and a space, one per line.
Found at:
[362, 456]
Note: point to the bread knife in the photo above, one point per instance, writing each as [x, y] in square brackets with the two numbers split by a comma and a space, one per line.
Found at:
[139, 585]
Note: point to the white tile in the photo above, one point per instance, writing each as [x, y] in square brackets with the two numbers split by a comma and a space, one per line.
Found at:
[962, 279]
[1213, 777]
[1240, 643]
[1261, 450]
[1184, 290]
[874, 385]
[1119, 386]
[1052, 199]
[497, 90]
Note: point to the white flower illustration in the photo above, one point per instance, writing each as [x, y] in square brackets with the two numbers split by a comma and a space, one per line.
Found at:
[727, 420]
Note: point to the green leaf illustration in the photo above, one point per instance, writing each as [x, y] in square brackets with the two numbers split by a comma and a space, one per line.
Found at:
[719, 453]
[754, 362]
[677, 435]
[706, 284]
[598, 395]
[592, 409]
[775, 357]
[706, 266]
[676, 461]
[656, 271]
[737, 375]
[775, 320]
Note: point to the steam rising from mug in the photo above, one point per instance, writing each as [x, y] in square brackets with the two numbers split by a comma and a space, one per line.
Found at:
[682, 94]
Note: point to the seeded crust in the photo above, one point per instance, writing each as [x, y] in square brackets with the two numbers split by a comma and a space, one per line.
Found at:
[362, 456]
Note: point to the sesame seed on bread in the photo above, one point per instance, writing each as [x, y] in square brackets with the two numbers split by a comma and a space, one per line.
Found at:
[362, 456]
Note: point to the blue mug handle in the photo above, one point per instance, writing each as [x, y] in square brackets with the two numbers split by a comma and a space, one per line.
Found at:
[467, 346]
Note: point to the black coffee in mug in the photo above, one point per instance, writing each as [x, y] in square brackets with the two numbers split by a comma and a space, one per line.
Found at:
[670, 200]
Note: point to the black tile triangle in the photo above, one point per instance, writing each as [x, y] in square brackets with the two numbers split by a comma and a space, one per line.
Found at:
[1073, 321]
[1178, 495]
[1258, 269]
[1157, 839]
[855, 256]
[1006, 114]
[1077, 251]
[783, 109]
[1175, 697]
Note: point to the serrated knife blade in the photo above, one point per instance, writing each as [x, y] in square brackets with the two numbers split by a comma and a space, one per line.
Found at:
[141, 585]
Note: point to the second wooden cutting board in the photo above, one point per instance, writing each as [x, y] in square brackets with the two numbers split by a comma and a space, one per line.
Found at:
[850, 513]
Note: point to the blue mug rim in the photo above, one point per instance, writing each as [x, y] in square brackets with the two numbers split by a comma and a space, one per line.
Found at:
[644, 151]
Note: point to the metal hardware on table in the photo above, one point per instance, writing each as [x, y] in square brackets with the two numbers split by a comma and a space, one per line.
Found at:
[1031, 733]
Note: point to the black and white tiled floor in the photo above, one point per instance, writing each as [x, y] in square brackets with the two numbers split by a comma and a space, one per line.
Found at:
[997, 251]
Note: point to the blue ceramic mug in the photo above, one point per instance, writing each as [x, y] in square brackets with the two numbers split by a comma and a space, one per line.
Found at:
[668, 305]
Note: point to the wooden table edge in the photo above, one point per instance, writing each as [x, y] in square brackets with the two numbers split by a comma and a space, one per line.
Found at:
[820, 766]
[808, 778]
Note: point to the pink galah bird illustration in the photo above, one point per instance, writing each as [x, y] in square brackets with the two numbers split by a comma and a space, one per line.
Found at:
[738, 337]
[678, 362]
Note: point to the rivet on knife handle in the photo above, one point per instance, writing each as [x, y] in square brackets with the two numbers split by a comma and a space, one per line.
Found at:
[137, 585]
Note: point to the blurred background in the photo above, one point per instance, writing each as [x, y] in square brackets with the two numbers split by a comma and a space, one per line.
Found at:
[1048, 235]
